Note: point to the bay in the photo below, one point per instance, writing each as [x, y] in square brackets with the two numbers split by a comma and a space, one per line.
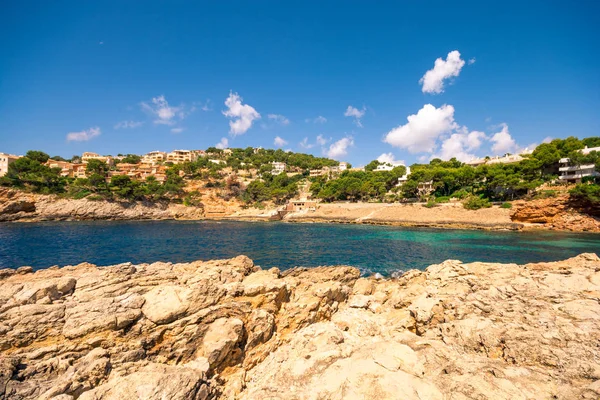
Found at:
[373, 249]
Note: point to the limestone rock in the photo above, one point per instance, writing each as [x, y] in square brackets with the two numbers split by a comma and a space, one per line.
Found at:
[221, 338]
[226, 329]
[164, 304]
[153, 382]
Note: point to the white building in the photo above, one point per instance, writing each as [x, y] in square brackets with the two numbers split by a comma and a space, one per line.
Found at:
[588, 150]
[181, 156]
[343, 166]
[5, 161]
[507, 159]
[88, 155]
[154, 157]
[402, 180]
[388, 166]
[474, 162]
[574, 173]
[215, 161]
[278, 168]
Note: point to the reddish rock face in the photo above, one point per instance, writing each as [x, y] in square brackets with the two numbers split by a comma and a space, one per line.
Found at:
[554, 213]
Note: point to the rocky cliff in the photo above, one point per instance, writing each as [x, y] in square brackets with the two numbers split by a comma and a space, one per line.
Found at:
[555, 213]
[16, 205]
[227, 329]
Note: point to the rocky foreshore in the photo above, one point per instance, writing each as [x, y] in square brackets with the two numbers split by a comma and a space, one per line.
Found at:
[227, 329]
[549, 214]
[28, 207]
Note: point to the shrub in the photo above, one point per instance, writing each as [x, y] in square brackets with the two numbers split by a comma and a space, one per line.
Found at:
[587, 196]
[95, 197]
[545, 194]
[460, 194]
[506, 205]
[80, 194]
[193, 199]
[442, 199]
[475, 203]
[431, 203]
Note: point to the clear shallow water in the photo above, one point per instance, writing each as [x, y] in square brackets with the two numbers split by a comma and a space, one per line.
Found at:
[371, 248]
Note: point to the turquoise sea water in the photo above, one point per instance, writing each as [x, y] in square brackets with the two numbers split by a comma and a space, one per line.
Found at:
[371, 248]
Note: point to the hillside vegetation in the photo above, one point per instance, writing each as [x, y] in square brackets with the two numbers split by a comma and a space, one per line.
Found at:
[245, 174]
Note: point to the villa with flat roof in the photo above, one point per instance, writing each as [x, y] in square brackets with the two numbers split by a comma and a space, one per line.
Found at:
[154, 157]
[5, 160]
[181, 156]
[575, 173]
[88, 155]
[278, 168]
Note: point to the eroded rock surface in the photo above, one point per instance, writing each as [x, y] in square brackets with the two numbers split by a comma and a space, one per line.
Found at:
[227, 329]
[16, 205]
[556, 213]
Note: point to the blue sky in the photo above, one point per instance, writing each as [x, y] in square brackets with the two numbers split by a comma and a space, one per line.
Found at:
[135, 76]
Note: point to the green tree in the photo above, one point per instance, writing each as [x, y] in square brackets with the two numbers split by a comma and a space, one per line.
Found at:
[122, 186]
[37, 155]
[372, 165]
[96, 167]
[547, 154]
[590, 142]
[131, 159]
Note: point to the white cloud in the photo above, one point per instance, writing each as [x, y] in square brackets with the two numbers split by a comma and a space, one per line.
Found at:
[305, 145]
[319, 120]
[356, 114]
[340, 148]
[279, 118]
[279, 142]
[223, 144]
[472, 61]
[421, 131]
[547, 139]
[503, 142]
[460, 145]
[433, 80]
[84, 135]
[243, 115]
[321, 141]
[176, 130]
[165, 114]
[128, 124]
[388, 158]
[474, 140]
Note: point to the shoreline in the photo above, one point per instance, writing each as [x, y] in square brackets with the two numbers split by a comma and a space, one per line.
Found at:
[378, 222]
[442, 225]
[535, 215]
[226, 328]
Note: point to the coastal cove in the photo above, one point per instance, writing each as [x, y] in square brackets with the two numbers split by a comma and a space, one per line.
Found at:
[372, 249]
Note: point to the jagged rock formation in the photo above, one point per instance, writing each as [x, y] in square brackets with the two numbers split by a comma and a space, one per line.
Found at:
[16, 205]
[227, 329]
[555, 213]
